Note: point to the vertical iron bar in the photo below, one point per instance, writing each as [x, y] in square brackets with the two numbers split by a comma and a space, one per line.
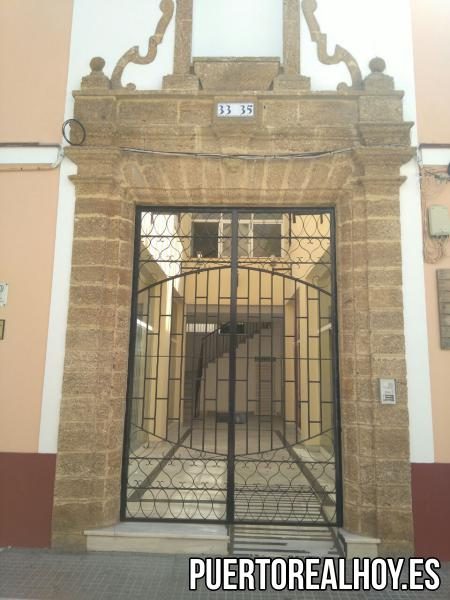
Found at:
[131, 362]
[232, 365]
[297, 380]
[335, 371]
[272, 410]
[248, 361]
[169, 365]
[285, 371]
[320, 370]
[182, 362]
[206, 363]
[193, 372]
[144, 387]
[259, 361]
[308, 360]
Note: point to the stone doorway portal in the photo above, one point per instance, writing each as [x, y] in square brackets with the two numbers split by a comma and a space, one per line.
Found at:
[299, 149]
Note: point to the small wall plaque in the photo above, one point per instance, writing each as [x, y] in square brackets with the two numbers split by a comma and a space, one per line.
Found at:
[2, 329]
[388, 391]
[443, 282]
[235, 109]
[3, 293]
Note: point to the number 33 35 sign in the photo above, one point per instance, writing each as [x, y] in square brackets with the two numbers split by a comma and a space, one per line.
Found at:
[236, 109]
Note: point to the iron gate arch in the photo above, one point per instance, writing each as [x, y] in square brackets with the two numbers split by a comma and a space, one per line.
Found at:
[232, 411]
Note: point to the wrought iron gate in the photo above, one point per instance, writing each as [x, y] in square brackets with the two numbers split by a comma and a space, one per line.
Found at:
[232, 409]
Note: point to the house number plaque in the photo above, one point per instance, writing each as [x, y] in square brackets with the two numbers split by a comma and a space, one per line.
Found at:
[236, 109]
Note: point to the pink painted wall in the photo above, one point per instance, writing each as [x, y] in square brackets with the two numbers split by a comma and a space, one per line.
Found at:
[431, 25]
[34, 54]
[439, 359]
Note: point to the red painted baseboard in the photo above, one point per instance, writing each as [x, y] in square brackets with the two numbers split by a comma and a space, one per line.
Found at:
[26, 499]
[431, 510]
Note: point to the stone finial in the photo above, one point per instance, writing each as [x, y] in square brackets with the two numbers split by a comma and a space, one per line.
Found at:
[377, 80]
[96, 79]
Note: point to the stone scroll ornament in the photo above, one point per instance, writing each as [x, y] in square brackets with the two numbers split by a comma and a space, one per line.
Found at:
[132, 55]
[340, 54]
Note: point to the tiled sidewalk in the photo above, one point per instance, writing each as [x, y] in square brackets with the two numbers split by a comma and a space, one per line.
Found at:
[42, 575]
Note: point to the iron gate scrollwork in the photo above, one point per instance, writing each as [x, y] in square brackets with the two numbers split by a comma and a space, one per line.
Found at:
[232, 410]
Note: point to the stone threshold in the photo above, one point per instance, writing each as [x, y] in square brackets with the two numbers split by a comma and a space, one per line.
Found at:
[160, 538]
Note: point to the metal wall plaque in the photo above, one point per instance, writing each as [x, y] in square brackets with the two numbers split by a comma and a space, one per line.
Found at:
[388, 391]
[443, 282]
[3, 293]
[236, 109]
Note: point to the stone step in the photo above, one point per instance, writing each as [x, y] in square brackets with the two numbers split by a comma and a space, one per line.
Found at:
[160, 538]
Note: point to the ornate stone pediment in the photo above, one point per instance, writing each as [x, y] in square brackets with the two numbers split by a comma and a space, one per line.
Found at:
[189, 75]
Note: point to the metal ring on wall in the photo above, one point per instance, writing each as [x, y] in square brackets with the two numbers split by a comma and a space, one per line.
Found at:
[83, 130]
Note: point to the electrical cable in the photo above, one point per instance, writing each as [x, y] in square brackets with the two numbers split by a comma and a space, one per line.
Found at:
[219, 156]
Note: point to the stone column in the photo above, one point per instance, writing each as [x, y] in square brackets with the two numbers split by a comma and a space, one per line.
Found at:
[182, 79]
[87, 488]
[291, 77]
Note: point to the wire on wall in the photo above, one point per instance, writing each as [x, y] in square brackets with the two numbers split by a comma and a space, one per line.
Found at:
[434, 249]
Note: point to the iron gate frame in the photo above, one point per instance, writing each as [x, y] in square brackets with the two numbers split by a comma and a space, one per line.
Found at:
[234, 267]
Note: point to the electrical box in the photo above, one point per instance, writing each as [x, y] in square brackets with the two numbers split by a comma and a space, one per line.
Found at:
[439, 221]
[3, 293]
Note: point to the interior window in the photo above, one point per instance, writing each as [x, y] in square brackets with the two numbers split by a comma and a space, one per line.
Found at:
[266, 239]
[205, 240]
[257, 238]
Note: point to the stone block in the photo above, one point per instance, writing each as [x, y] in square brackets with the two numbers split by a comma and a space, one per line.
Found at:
[71, 516]
[78, 489]
[388, 343]
[384, 207]
[221, 74]
[82, 465]
[392, 443]
[359, 546]
[95, 252]
[148, 112]
[381, 109]
[384, 253]
[383, 229]
[394, 496]
[389, 298]
[387, 320]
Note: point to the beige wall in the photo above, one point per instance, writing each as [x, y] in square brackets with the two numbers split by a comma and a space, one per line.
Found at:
[431, 22]
[34, 52]
[439, 359]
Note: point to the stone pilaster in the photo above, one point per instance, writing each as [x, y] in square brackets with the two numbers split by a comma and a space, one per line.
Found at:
[291, 78]
[182, 79]
[87, 490]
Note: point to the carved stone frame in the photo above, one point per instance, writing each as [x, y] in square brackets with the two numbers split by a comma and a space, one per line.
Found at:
[361, 181]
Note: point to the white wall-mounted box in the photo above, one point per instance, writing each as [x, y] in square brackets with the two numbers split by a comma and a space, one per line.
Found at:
[3, 293]
[438, 221]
